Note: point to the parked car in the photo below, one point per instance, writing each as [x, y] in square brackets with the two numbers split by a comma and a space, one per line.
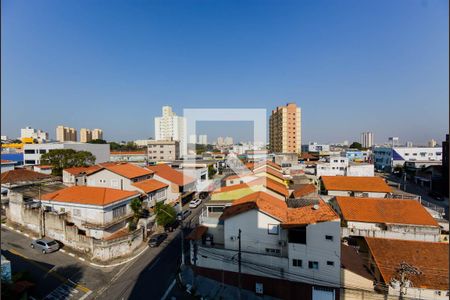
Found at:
[194, 203]
[436, 196]
[172, 226]
[184, 215]
[157, 239]
[45, 245]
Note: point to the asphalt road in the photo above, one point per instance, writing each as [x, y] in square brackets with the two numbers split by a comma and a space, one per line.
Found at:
[56, 275]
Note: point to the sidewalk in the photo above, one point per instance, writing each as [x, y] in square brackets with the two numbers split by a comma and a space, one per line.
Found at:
[209, 289]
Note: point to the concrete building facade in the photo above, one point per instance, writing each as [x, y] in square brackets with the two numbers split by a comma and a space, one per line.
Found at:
[285, 129]
[170, 127]
[163, 151]
[367, 139]
[39, 135]
[386, 158]
[66, 134]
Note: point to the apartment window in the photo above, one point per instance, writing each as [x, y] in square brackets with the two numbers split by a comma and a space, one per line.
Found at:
[406, 154]
[329, 263]
[119, 211]
[313, 265]
[329, 237]
[42, 151]
[297, 263]
[29, 151]
[273, 251]
[272, 229]
[76, 212]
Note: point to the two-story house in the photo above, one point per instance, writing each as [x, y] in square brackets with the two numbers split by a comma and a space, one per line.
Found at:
[288, 252]
[355, 186]
[154, 190]
[386, 218]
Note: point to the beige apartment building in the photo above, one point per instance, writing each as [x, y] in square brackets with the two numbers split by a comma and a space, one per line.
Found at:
[66, 134]
[163, 151]
[285, 129]
[97, 134]
[85, 135]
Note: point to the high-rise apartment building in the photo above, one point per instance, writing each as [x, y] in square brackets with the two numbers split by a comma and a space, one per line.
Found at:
[192, 139]
[97, 134]
[85, 135]
[170, 127]
[367, 139]
[220, 141]
[28, 132]
[285, 129]
[203, 139]
[228, 141]
[66, 134]
[432, 143]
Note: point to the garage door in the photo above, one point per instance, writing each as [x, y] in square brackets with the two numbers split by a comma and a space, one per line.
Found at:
[322, 293]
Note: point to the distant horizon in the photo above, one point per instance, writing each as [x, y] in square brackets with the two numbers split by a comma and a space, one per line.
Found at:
[352, 66]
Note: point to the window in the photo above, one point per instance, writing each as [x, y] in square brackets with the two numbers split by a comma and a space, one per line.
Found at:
[438, 153]
[297, 263]
[406, 154]
[414, 154]
[76, 212]
[297, 235]
[29, 151]
[273, 251]
[119, 211]
[30, 162]
[313, 265]
[102, 180]
[329, 237]
[272, 229]
[329, 263]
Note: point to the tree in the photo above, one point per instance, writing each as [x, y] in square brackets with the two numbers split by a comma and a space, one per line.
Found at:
[211, 171]
[98, 141]
[61, 159]
[136, 207]
[356, 145]
[165, 214]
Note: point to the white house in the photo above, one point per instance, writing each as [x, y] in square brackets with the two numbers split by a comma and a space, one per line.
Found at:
[386, 218]
[155, 191]
[98, 211]
[357, 186]
[340, 166]
[44, 169]
[7, 165]
[32, 152]
[281, 243]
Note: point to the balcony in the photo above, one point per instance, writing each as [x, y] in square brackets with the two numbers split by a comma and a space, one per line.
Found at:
[102, 225]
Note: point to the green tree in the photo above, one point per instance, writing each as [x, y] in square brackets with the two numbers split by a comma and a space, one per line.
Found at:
[356, 145]
[98, 141]
[211, 171]
[61, 159]
[136, 207]
[165, 214]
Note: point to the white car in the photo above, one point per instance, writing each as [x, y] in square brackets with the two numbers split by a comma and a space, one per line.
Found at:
[194, 203]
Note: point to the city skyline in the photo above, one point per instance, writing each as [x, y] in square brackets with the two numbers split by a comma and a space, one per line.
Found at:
[351, 64]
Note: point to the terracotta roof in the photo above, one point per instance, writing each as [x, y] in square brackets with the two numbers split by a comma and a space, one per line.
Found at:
[308, 156]
[430, 258]
[267, 182]
[304, 189]
[127, 152]
[22, 175]
[356, 183]
[150, 185]
[119, 233]
[79, 170]
[166, 172]
[351, 260]
[268, 204]
[238, 176]
[126, 169]
[383, 210]
[288, 217]
[266, 162]
[89, 195]
[197, 233]
[270, 171]
[44, 167]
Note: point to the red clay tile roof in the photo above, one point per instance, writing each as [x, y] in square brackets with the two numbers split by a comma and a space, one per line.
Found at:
[44, 167]
[166, 172]
[289, 217]
[267, 182]
[430, 258]
[270, 171]
[89, 195]
[150, 185]
[356, 183]
[384, 210]
[22, 175]
[79, 170]
[304, 190]
[353, 261]
[197, 233]
[308, 156]
[126, 169]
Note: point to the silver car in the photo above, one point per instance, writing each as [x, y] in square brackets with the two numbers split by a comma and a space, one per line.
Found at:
[45, 245]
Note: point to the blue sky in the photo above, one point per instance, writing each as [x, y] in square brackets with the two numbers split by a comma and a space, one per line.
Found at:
[350, 65]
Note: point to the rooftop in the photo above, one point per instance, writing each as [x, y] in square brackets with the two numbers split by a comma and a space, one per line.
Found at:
[167, 172]
[430, 258]
[126, 169]
[89, 195]
[303, 190]
[150, 185]
[384, 210]
[17, 176]
[356, 184]
[79, 170]
[264, 181]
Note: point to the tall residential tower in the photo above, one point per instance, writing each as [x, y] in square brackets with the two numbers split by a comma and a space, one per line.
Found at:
[367, 139]
[170, 127]
[285, 129]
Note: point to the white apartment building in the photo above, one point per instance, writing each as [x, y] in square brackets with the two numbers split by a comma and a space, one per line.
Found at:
[203, 139]
[170, 127]
[315, 147]
[97, 134]
[192, 139]
[32, 152]
[300, 244]
[39, 135]
[158, 151]
[386, 158]
[367, 139]
[340, 166]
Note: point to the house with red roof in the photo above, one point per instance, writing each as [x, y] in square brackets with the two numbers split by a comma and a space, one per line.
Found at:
[301, 238]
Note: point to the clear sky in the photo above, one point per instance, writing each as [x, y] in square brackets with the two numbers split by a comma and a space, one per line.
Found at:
[350, 65]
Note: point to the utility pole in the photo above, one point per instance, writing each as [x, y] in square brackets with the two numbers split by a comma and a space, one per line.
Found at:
[404, 270]
[239, 263]
[182, 233]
